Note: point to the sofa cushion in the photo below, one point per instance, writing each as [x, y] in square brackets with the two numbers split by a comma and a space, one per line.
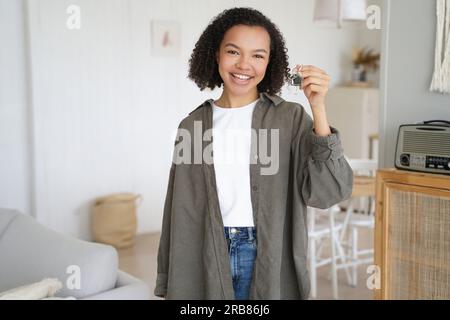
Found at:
[30, 252]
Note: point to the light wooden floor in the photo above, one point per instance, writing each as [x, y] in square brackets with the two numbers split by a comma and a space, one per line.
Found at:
[140, 261]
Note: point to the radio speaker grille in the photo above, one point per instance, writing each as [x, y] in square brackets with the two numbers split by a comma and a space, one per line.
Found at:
[426, 142]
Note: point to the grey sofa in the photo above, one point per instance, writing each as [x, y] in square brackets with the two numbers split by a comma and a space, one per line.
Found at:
[30, 252]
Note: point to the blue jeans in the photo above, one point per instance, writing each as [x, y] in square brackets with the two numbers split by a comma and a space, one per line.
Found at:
[242, 252]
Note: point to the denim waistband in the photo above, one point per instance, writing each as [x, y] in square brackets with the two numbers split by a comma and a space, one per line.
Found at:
[240, 232]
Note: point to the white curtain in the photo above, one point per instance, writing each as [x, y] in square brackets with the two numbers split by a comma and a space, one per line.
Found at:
[441, 76]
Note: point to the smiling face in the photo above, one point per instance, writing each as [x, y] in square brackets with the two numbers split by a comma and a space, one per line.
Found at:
[243, 57]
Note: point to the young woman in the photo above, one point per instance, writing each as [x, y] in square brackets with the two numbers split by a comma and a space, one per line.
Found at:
[237, 230]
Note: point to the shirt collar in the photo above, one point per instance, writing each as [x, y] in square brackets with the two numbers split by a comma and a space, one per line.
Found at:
[276, 100]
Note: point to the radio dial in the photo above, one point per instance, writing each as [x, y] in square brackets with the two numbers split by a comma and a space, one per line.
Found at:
[404, 159]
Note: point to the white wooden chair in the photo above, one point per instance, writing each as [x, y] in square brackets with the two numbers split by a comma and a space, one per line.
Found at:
[323, 228]
[327, 226]
[363, 188]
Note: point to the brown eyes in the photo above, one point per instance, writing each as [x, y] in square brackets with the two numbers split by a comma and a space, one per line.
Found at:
[256, 55]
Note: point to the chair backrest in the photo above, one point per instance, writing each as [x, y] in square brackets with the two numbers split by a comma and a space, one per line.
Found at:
[363, 166]
[364, 171]
[315, 215]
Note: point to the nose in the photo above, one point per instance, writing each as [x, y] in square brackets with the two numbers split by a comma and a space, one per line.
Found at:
[243, 63]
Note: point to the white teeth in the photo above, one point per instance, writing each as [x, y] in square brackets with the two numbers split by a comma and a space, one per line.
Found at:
[242, 77]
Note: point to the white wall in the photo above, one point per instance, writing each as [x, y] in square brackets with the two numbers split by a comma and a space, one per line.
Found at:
[104, 110]
[409, 33]
[15, 179]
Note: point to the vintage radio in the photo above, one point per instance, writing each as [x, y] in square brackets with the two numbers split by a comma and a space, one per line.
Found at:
[424, 147]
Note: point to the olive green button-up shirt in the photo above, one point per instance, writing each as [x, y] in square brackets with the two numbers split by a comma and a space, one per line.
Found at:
[193, 260]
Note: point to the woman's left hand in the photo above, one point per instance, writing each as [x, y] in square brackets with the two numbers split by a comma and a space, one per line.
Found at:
[314, 84]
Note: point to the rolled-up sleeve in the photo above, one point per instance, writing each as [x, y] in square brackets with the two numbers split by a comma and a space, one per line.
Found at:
[325, 178]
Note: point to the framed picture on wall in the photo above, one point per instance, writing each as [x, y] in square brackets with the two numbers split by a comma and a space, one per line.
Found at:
[165, 38]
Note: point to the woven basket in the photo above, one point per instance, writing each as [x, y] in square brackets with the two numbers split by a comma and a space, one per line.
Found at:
[114, 220]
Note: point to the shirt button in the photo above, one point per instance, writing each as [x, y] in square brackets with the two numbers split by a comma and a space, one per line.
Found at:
[255, 188]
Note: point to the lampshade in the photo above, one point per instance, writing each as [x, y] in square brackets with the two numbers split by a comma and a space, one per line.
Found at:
[340, 10]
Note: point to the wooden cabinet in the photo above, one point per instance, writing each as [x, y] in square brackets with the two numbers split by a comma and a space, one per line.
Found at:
[412, 235]
[354, 112]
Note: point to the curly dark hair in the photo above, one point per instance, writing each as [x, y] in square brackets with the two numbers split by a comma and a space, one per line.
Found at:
[203, 67]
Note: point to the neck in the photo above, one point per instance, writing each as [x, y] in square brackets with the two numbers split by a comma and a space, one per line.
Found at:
[228, 100]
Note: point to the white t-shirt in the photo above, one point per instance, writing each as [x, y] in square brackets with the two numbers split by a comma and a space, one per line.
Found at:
[231, 151]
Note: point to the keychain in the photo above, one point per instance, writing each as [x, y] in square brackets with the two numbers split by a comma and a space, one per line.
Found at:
[295, 79]
[295, 82]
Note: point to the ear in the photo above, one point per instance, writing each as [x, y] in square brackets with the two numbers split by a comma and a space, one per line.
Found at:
[217, 56]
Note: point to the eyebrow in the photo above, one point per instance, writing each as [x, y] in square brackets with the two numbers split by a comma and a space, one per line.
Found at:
[235, 46]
